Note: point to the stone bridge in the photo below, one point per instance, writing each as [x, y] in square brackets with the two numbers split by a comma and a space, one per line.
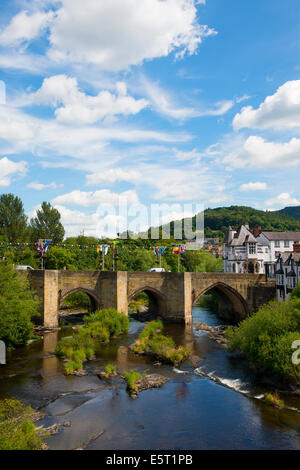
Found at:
[171, 294]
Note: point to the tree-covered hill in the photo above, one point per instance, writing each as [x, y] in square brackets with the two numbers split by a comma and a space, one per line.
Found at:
[218, 220]
[291, 211]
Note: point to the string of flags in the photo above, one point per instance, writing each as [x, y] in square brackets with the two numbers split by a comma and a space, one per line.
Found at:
[42, 246]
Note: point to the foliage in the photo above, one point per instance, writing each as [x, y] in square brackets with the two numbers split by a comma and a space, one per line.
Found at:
[131, 378]
[17, 431]
[293, 211]
[266, 338]
[47, 224]
[209, 301]
[139, 300]
[273, 399]
[13, 221]
[110, 369]
[58, 258]
[152, 341]
[201, 261]
[77, 300]
[101, 325]
[109, 319]
[18, 305]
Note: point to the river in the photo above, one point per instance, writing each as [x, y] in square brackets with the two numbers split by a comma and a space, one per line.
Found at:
[215, 406]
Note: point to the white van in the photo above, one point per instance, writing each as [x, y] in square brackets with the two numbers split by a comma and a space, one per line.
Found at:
[156, 270]
[24, 267]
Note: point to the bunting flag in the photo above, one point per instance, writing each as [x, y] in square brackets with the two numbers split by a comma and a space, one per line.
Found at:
[182, 248]
[176, 250]
[43, 246]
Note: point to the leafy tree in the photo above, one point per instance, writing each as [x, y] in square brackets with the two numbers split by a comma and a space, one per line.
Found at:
[58, 258]
[47, 224]
[18, 305]
[13, 221]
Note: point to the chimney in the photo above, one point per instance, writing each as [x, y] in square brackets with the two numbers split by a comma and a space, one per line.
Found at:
[247, 225]
[297, 247]
[256, 230]
[231, 233]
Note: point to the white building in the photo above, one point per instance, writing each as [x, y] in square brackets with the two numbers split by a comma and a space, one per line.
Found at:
[287, 273]
[255, 251]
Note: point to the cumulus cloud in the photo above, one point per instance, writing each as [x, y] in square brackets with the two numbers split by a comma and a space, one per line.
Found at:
[279, 111]
[94, 224]
[112, 175]
[96, 198]
[74, 106]
[140, 31]
[39, 186]
[25, 27]
[258, 153]
[253, 187]
[282, 200]
[8, 169]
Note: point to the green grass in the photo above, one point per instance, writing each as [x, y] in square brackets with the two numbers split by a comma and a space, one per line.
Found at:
[273, 399]
[152, 341]
[131, 378]
[17, 430]
[101, 325]
[110, 369]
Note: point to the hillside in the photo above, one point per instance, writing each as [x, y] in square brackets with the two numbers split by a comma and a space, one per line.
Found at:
[291, 211]
[218, 220]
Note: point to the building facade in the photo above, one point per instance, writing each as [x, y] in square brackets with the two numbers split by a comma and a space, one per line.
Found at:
[255, 251]
[287, 272]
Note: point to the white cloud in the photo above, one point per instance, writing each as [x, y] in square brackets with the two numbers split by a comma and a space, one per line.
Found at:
[164, 104]
[112, 175]
[279, 111]
[93, 224]
[75, 107]
[282, 200]
[140, 31]
[9, 168]
[259, 153]
[24, 27]
[96, 198]
[39, 186]
[253, 186]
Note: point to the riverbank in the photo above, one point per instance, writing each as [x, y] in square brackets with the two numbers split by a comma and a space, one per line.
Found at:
[193, 409]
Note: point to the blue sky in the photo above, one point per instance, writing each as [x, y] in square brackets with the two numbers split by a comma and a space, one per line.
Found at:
[156, 102]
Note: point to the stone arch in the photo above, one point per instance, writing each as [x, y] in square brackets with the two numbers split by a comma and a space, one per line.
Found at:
[157, 299]
[232, 305]
[95, 300]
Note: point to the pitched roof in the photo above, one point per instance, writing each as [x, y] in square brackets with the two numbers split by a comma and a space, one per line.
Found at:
[290, 236]
[243, 236]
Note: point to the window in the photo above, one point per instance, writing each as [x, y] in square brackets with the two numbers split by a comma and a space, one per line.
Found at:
[277, 243]
[252, 248]
[286, 244]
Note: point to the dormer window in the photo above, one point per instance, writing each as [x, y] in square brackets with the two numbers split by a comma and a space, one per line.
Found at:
[252, 248]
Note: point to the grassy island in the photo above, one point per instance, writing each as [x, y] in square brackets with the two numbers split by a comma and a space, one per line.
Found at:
[151, 341]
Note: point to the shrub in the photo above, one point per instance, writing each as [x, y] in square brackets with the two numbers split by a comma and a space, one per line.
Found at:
[273, 399]
[18, 305]
[131, 378]
[110, 319]
[17, 431]
[110, 369]
[152, 341]
[267, 336]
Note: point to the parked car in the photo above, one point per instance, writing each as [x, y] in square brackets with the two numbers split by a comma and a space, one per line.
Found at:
[156, 270]
[24, 267]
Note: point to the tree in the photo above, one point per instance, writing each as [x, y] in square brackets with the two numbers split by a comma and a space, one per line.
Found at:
[13, 221]
[47, 224]
[18, 305]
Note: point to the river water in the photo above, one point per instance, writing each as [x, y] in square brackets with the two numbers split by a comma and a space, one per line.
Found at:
[215, 406]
